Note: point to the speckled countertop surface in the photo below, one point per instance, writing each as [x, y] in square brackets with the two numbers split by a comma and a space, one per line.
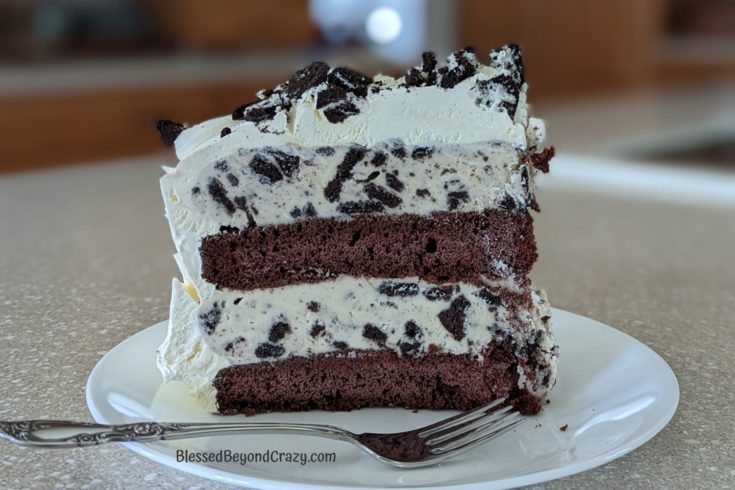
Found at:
[85, 262]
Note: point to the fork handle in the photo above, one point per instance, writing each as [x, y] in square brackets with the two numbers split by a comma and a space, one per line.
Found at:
[82, 434]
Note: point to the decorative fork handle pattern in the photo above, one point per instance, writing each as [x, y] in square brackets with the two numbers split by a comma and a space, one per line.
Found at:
[30, 432]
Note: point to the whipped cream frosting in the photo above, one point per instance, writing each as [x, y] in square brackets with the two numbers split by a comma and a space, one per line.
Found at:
[488, 105]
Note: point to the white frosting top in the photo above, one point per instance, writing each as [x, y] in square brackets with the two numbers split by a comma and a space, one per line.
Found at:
[473, 110]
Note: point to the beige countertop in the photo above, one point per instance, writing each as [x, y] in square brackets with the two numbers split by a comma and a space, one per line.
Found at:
[85, 262]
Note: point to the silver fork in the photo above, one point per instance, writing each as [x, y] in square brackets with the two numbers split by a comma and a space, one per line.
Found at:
[411, 449]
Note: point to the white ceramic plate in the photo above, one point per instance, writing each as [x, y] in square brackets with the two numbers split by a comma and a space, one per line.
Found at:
[613, 393]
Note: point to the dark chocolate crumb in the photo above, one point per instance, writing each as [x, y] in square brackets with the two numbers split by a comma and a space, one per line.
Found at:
[313, 306]
[219, 195]
[330, 95]
[423, 192]
[399, 152]
[295, 212]
[306, 78]
[382, 194]
[221, 166]
[394, 183]
[492, 300]
[242, 203]
[422, 152]
[168, 131]
[196, 190]
[564, 427]
[379, 159]
[269, 350]
[508, 202]
[371, 332]
[401, 289]
[232, 179]
[360, 207]
[326, 151]
[339, 345]
[231, 345]
[441, 293]
[256, 112]
[341, 112]
[464, 68]
[454, 199]
[267, 171]
[453, 318]
[349, 80]
[211, 319]
[288, 163]
[237, 301]
[309, 210]
[344, 172]
[317, 329]
[279, 331]
[411, 329]
[225, 131]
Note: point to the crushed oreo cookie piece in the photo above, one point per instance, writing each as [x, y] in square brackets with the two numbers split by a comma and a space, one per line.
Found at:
[242, 203]
[341, 112]
[382, 195]
[326, 151]
[269, 350]
[278, 331]
[221, 166]
[398, 152]
[317, 329]
[344, 172]
[225, 131]
[196, 190]
[371, 332]
[453, 318]
[401, 289]
[423, 75]
[423, 192]
[456, 198]
[461, 65]
[508, 58]
[394, 183]
[442, 293]
[412, 330]
[168, 131]
[492, 300]
[313, 306]
[349, 80]
[210, 319]
[232, 179]
[330, 95]
[310, 76]
[309, 210]
[265, 169]
[421, 152]
[256, 111]
[339, 345]
[379, 159]
[360, 207]
[219, 195]
[286, 162]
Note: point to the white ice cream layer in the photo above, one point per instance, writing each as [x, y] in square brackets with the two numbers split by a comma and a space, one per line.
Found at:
[231, 327]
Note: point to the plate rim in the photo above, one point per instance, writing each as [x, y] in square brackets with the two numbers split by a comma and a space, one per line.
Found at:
[243, 480]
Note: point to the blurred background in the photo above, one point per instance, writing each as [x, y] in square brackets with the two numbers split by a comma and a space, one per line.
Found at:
[84, 80]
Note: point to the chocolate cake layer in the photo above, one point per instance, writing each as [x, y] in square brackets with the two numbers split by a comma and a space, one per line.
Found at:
[377, 378]
[438, 248]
